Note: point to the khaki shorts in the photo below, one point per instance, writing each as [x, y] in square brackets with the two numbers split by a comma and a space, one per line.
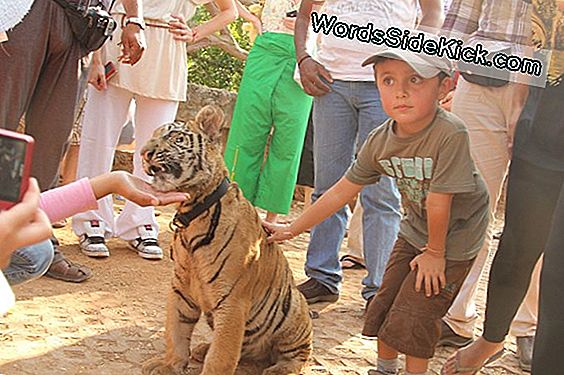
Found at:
[407, 320]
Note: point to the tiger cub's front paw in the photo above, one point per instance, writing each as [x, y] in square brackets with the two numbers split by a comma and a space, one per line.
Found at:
[200, 351]
[161, 366]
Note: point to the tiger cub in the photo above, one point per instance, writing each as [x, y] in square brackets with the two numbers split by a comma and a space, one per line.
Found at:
[223, 266]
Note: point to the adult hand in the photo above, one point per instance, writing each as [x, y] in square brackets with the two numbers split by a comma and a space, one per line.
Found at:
[132, 44]
[311, 74]
[430, 273]
[141, 192]
[278, 232]
[518, 101]
[97, 76]
[180, 30]
[22, 225]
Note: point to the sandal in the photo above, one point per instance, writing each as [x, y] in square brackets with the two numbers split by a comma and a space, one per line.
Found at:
[349, 262]
[59, 224]
[64, 269]
[475, 369]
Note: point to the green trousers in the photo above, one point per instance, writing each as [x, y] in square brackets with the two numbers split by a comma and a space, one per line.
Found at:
[268, 98]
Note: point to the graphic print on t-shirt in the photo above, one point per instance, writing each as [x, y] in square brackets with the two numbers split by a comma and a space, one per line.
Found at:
[413, 177]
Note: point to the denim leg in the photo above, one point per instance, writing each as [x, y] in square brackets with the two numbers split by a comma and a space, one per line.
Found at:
[342, 119]
[29, 263]
[335, 124]
[381, 220]
[380, 201]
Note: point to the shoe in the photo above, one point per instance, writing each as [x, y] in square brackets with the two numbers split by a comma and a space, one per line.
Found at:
[525, 347]
[459, 369]
[351, 262]
[450, 338]
[92, 242]
[59, 224]
[314, 292]
[64, 269]
[146, 244]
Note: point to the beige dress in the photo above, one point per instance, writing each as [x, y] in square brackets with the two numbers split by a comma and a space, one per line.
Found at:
[162, 71]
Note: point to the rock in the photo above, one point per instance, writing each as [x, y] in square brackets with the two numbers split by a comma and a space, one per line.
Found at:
[200, 96]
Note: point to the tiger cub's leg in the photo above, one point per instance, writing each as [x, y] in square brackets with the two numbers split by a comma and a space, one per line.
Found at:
[201, 350]
[227, 339]
[294, 341]
[182, 315]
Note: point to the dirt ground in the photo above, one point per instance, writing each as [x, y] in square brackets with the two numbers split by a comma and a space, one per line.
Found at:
[114, 322]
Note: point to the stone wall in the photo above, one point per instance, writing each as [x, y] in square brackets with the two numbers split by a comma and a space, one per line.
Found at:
[199, 96]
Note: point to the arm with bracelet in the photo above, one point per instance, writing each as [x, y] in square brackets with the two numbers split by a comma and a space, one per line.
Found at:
[132, 38]
[431, 263]
[313, 75]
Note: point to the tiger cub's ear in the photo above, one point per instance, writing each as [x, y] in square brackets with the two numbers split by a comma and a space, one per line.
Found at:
[209, 121]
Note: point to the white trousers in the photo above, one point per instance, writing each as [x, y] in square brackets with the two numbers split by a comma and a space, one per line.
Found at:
[486, 111]
[105, 113]
[354, 239]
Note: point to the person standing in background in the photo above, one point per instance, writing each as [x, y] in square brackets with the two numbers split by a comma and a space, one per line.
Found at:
[490, 109]
[269, 99]
[157, 84]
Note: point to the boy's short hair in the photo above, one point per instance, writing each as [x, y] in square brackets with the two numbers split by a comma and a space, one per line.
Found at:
[425, 65]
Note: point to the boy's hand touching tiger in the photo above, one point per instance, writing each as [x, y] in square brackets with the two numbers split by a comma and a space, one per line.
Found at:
[430, 273]
[277, 232]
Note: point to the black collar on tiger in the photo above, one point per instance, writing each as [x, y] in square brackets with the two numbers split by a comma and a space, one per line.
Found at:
[183, 220]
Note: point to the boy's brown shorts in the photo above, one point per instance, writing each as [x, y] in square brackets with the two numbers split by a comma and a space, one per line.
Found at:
[407, 320]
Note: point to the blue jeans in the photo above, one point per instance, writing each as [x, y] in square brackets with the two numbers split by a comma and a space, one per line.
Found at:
[29, 263]
[342, 120]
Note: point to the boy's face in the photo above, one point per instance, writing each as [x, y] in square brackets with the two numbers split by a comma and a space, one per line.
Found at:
[406, 97]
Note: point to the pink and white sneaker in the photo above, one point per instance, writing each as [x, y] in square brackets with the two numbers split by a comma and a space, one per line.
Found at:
[146, 244]
[92, 242]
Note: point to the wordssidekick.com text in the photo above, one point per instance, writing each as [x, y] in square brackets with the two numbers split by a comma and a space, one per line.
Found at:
[420, 42]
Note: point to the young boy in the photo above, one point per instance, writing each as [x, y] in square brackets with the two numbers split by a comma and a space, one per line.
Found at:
[426, 150]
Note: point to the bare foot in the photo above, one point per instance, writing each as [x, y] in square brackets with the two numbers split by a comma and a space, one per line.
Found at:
[472, 358]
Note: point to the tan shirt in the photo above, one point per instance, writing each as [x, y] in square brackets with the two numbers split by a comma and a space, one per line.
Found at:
[437, 159]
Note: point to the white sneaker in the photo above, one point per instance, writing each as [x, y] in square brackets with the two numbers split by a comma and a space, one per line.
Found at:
[146, 244]
[92, 242]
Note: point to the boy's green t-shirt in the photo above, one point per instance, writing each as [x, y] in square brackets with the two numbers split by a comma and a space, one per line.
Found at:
[437, 159]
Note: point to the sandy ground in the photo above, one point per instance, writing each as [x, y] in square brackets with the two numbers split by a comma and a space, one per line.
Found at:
[115, 321]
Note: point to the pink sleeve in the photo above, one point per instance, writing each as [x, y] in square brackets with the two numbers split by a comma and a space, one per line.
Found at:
[68, 200]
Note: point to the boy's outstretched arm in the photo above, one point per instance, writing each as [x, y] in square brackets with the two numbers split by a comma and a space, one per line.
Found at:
[329, 203]
[431, 264]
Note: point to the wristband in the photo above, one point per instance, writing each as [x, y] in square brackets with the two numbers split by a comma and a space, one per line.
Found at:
[303, 59]
[434, 252]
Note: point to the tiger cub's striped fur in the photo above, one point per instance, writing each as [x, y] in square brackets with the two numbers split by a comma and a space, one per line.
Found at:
[223, 266]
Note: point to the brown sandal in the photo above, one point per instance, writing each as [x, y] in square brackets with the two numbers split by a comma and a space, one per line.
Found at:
[64, 269]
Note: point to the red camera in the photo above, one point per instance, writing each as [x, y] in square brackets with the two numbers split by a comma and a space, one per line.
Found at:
[15, 165]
